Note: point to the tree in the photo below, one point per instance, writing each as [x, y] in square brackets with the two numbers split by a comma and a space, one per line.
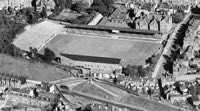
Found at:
[88, 108]
[79, 6]
[177, 17]
[133, 71]
[154, 59]
[10, 10]
[68, 3]
[108, 11]
[195, 10]
[97, 3]
[141, 71]
[49, 54]
[43, 12]
[108, 2]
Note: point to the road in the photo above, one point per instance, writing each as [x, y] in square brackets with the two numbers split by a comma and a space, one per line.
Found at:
[68, 80]
[117, 86]
[159, 69]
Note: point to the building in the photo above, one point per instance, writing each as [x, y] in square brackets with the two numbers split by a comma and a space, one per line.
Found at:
[119, 16]
[11, 80]
[144, 23]
[88, 2]
[154, 25]
[182, 2]
[166, 24]
[17, 4]
[95, 64]
[28, 97]
[48, 4]
[96, 19]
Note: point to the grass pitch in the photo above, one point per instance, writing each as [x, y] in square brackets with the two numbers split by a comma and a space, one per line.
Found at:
[131, 52]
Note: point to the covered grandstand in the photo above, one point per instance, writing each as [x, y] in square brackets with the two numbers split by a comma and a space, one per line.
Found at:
[110, 29]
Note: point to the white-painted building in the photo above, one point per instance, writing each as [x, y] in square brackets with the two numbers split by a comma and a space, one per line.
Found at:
[100, 65]
[96, 19]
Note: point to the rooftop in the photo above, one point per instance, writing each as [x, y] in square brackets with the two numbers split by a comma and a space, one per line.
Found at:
[18, 90]
[92, 58]
[110, 28]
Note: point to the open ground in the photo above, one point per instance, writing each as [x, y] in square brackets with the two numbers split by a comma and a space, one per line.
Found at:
[131, 52]
[33, 70]
[126, 98]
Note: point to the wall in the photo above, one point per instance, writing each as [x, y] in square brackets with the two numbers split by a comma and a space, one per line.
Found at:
[98, 67]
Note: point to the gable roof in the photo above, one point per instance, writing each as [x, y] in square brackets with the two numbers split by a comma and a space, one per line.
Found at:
[146, 19]
[153, 21]
[158, 17]
[92, 59]
[166, 19]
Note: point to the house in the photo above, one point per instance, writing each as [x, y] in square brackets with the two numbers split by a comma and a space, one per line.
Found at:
[144, 23]
[28, 97]
[119, 16]
[48, 4]
[95, 64]
[154, 25]
[177, 98]
[88, 2]
[11, 80]
[166, 24]
[17, 4]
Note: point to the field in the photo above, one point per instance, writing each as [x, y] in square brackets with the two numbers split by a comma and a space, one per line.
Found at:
[34, 71]
[131, 52]
[89, 88]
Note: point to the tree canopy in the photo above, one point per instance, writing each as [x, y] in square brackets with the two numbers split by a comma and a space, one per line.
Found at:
[108, 2]
[178, 17]
[8, 30]
[49, 54]
[134, 71]
[79, 6]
